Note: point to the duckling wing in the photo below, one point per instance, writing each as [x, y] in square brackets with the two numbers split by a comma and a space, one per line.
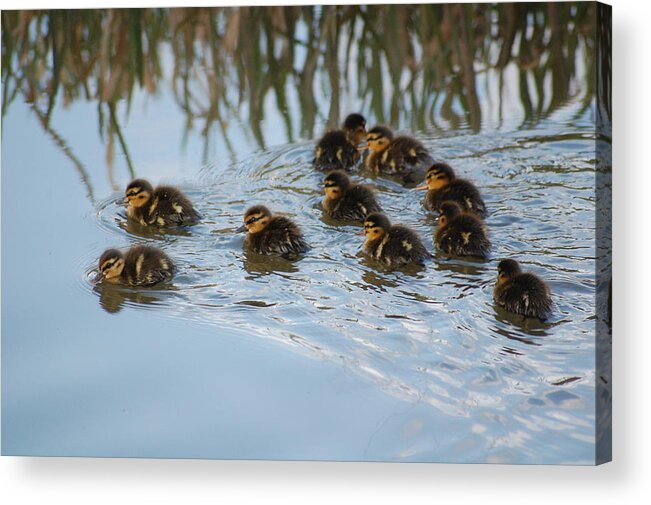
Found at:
[335, 152]
[464, 236]
[285, 238]
[173, 207]
[358, 203]
[410, 158]
[536, 298]
[466, 194]
[527, 295]
[146, 266]
[405, 246]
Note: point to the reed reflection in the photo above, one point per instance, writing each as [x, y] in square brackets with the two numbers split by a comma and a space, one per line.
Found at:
[227, 63]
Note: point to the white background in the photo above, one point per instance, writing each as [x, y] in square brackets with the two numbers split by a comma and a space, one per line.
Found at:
[626, 480]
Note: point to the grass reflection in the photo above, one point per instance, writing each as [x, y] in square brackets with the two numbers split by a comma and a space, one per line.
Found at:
[414, 66]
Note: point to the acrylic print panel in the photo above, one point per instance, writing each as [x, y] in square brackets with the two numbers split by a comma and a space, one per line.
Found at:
[332, 352]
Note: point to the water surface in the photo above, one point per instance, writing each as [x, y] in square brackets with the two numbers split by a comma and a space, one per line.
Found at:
[328, 357]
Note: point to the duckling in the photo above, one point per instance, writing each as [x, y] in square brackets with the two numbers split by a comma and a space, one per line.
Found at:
[347, 201]
[403, 156]
[522, 293]
[337, 149]
[163, 206]
[392, 245]
[442, 184]
[461, 234]
[141, 265]
[269, 234]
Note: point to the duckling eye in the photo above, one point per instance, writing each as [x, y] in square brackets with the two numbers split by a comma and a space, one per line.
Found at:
[107, 265]
[252, 220]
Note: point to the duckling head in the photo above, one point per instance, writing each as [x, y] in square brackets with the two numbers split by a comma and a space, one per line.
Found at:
[506, 269]
[256, 219]
[375, 226]
[138, 193]
[447, 211]
[379, 138]
[438, 176]
[111, 264]
[355, 127]
[336, 184]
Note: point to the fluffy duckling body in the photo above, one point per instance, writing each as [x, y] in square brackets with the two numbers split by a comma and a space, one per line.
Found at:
[269, 234]
[443, 185]
[337, 149]
[402, 156]
[163, 206]
[460, 233]
[140, 266]
[522, 293]
[393, 245]
[347, 201]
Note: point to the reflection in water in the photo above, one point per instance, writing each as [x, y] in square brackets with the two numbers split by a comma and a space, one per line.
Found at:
[258, 265]
[414, 66]
[112, 297]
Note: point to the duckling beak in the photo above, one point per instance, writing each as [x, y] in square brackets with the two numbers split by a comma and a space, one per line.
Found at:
[125, 201]
[420, 188]
[241, 229]
[98, 278]
[360, 234]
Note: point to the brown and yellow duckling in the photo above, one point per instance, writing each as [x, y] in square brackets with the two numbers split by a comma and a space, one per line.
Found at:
[141, 265]
[337, 149]
[401, 156]
[347, 201]
[460, 233]
[163, 206]
[443, 185]
[520, 292]
[393, 245]
[269, 234]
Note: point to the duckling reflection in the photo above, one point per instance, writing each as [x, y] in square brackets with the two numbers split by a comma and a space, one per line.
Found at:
[528, 325]
[337, 150]
[163, 206]
[259, 265]
[113, 297]
[140, 230]
[401, 156]
[377, 282]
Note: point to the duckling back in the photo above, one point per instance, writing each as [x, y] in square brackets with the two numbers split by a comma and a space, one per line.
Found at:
[281, 236]
[335, 152]
[358, 202]
[405, 157]
[170, 207]
[464, 235]
[146, 266]
[525, 294]
[461, 191]
[399, 246]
